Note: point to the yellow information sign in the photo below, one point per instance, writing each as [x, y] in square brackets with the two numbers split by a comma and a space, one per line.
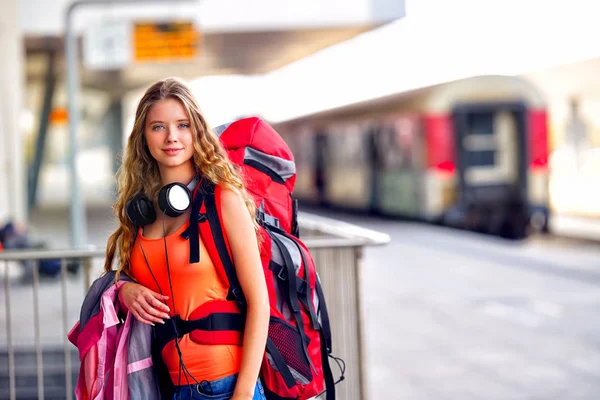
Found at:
[171, 41]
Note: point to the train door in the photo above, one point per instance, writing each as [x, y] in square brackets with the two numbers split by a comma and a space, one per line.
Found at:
[491, 161]
[320, 155]
[399, 173]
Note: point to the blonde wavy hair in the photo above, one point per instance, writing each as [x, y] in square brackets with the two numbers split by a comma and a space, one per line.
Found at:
[139, 171]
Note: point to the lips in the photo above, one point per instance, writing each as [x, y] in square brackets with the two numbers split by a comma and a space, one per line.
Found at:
[172, 152]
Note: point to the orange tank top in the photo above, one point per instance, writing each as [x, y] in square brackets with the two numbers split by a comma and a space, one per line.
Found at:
[194, 285]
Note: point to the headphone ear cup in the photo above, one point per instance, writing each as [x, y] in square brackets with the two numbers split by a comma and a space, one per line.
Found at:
[174, 199]
[140, 210]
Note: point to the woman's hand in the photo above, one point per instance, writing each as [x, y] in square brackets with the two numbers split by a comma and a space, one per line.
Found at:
[145, 305]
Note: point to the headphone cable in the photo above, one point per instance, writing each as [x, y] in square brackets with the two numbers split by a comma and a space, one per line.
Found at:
[174, 326]
[186, 372]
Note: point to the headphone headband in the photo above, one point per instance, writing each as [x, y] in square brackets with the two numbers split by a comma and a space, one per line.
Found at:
[192, 185]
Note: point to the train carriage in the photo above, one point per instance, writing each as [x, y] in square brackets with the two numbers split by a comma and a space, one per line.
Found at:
[472, 153]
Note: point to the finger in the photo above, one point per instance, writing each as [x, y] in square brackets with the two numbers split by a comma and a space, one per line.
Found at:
[150, 296]
[139, 318]
[150, 313]
[158, 295]
[163, 297]
[149, 317]
[143, 300]
[159, 306]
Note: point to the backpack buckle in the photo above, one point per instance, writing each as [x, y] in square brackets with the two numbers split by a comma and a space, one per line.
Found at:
[265, 219]
[260, 217]
[273, 221]
[282, 274]
[238, 296]
[237, 293]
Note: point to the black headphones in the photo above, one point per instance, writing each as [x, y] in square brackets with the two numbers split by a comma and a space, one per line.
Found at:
[173, 199]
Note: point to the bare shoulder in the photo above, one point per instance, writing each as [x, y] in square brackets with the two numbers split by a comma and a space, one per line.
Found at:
[237, 222]
[231, 200]
[233, 207]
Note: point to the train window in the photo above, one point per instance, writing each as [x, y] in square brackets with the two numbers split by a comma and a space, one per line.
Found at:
[481, 123]
[482, 158]
[490, 147]
[349, 148]
[302, 146]
[389, 148]
[396, 143]
[480, 141]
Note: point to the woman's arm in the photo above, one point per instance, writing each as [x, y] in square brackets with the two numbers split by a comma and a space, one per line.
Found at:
[244, 248]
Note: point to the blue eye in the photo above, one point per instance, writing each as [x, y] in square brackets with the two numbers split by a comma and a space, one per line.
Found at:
[157, 127]
[184, 125]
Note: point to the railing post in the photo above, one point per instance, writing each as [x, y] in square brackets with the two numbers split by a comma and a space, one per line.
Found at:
[36, 329]
[11, 351]
[65, 310]
[336, 267]
[87, 274]
[357, 271]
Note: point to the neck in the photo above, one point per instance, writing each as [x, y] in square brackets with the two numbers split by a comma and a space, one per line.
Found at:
[182, 174]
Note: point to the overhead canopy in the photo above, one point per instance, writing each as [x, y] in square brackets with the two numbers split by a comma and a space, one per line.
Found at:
[233, 37]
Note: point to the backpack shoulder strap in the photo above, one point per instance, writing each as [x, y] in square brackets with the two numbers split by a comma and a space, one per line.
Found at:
[215, 239]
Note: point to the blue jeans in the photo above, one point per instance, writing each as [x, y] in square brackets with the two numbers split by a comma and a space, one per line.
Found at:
[220, 389]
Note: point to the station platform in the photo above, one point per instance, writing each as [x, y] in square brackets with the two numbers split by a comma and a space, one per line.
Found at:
[575, 227]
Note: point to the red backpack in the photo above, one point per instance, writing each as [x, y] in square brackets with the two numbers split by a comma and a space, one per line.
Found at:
[296, 360]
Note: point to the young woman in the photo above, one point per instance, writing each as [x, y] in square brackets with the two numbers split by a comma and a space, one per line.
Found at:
[171, 142]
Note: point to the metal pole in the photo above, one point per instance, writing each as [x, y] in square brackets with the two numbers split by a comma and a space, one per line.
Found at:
[40, 144]
[78, 222]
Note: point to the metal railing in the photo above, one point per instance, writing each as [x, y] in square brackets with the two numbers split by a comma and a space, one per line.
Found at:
[337, 249]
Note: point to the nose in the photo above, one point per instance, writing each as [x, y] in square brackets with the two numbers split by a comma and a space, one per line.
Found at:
[171, 136]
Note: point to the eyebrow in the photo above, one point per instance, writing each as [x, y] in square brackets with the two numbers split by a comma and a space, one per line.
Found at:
[162, 122]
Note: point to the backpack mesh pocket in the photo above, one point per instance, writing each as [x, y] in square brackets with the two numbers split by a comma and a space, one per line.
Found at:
[289, 343]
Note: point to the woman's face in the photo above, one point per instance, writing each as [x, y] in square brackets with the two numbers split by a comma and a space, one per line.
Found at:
[168, 134]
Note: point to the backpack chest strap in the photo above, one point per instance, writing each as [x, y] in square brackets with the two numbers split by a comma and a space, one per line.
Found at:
[215, 328]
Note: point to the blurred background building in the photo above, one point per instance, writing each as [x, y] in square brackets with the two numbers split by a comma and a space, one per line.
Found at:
[124, 47]
[280, 63]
